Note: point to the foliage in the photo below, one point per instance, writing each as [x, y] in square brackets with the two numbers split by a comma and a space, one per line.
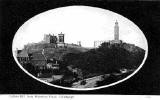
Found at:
[107, 58]
[30, 68]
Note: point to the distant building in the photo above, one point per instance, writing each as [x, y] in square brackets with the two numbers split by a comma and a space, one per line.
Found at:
[114, 41]
[48, 38]
[98, 43]
[23, 56]
[116, 33]
[72, 45]
[52, 65]
[38, 60]
[61, 40]
[79, 43]
[57, 41]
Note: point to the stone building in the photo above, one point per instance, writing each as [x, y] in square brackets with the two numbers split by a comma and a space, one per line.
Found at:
[23, 56]
[58, 40]
[116, 33]
[61, 40]
[48, 38]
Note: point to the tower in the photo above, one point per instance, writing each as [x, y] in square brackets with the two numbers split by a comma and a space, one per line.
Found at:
[116, 31]
[61, 40]
[53, 39]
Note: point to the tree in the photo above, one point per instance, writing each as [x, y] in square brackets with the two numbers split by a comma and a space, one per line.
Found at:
[108, 58]
[30, 68]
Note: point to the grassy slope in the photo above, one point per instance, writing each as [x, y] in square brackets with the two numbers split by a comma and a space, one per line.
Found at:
[50, 51]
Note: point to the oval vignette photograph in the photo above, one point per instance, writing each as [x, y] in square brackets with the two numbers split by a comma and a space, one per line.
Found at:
[80, 48]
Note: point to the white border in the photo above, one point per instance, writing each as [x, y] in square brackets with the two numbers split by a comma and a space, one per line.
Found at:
[78, 97]
[85, 89]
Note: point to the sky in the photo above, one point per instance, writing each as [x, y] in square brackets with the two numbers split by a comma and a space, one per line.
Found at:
[78, 23]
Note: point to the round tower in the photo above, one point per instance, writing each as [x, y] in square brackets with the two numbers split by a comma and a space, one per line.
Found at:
[116, 31]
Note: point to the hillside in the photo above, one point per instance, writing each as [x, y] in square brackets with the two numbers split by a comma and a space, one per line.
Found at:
[108, 58]
[51, 51]
[77, 63]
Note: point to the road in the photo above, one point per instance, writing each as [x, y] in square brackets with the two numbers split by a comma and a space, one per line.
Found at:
[90, 82]
[53, 78]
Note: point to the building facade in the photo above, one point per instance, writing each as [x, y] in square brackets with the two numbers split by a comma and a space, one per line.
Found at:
[48, 38]
[61, 40]
[23, 56]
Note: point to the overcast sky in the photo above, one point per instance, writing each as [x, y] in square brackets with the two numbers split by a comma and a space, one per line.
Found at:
[78, 23]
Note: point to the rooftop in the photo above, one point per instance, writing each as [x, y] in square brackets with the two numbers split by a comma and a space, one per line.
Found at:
[23, 53]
